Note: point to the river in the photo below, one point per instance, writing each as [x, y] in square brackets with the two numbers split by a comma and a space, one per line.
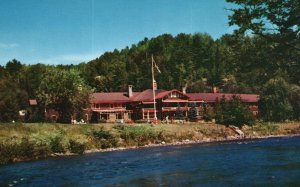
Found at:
[264, 162]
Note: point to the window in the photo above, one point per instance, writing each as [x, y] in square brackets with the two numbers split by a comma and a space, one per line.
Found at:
[104, 106]
[148, 106]
[119, 116]
[118, 105]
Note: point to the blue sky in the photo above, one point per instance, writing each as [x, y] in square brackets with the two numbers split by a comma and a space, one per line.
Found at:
[74, 31]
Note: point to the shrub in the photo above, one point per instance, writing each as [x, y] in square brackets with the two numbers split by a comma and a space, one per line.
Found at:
[104, 144]
[76, 147]
[233, 112]
[102, 134]
[105, 138]
[6, 153]
[41, 151]
[25, 148]
[139, 135]
[56, 145]
[208, 113]
[208, 117]
[266, 128]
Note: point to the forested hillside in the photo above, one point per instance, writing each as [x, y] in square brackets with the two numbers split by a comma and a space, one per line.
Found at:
[233, 63]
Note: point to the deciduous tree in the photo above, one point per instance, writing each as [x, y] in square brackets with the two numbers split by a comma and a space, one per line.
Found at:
[64, 91]
[233, 112]
[12, 100]
[274, 104]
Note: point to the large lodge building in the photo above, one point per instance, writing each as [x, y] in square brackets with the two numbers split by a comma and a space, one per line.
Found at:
[131, 106]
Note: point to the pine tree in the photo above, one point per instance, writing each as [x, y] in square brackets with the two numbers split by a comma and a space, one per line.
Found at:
[179, 114]
[192, 114]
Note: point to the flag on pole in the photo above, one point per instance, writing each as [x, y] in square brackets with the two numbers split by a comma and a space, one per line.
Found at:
[157, 68]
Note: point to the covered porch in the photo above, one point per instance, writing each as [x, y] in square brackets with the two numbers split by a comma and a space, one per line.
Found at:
[112, 116]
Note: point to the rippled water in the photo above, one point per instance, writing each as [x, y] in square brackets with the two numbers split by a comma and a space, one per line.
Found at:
[261, 163]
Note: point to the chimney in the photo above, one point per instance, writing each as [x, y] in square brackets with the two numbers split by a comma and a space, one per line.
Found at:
[214, 89]
[130, 91]
[184, 90]
[154, 85]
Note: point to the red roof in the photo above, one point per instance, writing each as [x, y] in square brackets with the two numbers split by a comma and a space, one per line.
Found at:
[32, 102]
[147, 95]
[111, 97]
[212, 97]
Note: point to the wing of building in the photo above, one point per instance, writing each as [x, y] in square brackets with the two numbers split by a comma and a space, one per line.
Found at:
[131, 106]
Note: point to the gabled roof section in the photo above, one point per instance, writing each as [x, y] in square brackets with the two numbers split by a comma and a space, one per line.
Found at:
[112, 97]
[166, 93]
[147, 95]
[213, 97]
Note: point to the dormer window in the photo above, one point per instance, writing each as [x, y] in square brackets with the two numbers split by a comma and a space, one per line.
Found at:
[174, 95]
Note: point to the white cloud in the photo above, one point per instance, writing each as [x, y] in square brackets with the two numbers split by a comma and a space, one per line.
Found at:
[8, 45]
[69, 58]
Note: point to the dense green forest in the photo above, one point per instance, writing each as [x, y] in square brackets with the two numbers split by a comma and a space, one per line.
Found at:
[261, 61]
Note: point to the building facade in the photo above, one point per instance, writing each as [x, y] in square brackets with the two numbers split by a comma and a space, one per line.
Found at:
[131, 106]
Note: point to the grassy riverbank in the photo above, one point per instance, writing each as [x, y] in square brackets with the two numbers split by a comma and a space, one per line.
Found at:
[20, 142]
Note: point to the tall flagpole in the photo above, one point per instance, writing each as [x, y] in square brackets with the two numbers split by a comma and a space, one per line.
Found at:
[153, 80]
